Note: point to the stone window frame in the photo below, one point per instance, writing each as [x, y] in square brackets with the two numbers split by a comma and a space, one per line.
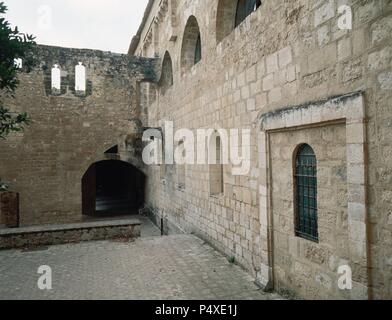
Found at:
[181, 171]
[217, 167]
[247, 10]
[188, 47]
[166, 80]
[226, 18]
[297, 208]
[80, 79]
[348, 109]
[55, 72]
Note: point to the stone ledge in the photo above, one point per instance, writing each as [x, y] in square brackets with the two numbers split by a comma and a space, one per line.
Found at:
[68, 233]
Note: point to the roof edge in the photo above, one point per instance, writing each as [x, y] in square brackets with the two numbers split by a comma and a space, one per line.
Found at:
[136, 39]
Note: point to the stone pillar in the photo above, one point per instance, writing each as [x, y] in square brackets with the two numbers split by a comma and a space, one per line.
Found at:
[265, 278]
[9, 209]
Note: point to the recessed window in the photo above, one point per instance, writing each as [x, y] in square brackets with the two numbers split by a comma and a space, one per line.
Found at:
[80, 78]
[198, 50]
[166, 80]
[216, 167]
[244, 9]
[191, 50]
[181, 168]
[306, 193]
[231, 13]
[56, 79]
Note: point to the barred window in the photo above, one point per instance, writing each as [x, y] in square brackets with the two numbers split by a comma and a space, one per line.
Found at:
[244, 9]
[306, 193]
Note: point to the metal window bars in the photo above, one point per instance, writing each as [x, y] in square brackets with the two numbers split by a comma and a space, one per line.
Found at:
[306, 194]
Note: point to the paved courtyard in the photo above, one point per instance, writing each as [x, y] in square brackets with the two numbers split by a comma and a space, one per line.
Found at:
[173, 267]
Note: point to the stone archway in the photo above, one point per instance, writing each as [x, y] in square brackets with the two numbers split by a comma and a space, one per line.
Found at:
[112, 188]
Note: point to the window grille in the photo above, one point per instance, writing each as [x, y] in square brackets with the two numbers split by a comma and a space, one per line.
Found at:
[306, 193]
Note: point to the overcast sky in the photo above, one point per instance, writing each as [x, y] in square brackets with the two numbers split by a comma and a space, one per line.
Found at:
[94, 24]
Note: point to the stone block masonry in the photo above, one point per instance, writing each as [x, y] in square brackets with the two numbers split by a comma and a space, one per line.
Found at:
[69, 132]
[9, 209]
[285, 64]
[35, 237]
[284, 54]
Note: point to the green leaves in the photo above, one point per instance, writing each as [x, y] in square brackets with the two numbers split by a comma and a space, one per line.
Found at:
[4, 186]
[14, 45]
[11, 122]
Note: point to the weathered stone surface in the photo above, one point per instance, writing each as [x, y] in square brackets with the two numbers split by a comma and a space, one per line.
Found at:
[295, 65]
[280, 56]
[71, 233]
[385, 80]
[160, 268]
[68, 132]
[9, 209]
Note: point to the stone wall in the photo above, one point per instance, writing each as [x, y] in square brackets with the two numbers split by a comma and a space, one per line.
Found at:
[298, 262]
[69, 131]
[35, 237]
[287, 53]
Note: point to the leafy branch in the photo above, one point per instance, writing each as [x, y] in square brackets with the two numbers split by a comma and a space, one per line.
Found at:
[14, 45]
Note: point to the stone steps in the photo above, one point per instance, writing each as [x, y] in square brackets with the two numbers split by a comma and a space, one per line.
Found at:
[36, 236]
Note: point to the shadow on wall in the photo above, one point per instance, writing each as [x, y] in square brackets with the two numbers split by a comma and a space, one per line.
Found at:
[112, 188]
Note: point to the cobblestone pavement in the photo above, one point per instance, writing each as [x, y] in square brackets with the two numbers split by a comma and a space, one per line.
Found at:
[173, 267]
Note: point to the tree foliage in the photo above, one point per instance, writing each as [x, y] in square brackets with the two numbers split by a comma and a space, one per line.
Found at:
[13, 45]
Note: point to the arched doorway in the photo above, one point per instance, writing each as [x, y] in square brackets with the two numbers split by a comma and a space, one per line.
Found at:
[112, 188]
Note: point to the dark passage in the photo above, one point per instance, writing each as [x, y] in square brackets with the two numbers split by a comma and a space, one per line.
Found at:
[112, 188]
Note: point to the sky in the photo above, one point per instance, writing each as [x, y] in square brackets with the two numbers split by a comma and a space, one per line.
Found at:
[94, 24]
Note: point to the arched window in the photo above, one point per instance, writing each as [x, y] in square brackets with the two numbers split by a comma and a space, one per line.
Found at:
[166, 80]
[231, 13]
[216, 167]
[306, 193]
[191, 50]
[244, 9]
[80, 78]
[56, 79]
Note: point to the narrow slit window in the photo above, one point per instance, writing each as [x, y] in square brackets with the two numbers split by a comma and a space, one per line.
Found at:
[80, 78]
[56, 79]
[306, 193]
[216, 170]
[198, 50]
[181, 168]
